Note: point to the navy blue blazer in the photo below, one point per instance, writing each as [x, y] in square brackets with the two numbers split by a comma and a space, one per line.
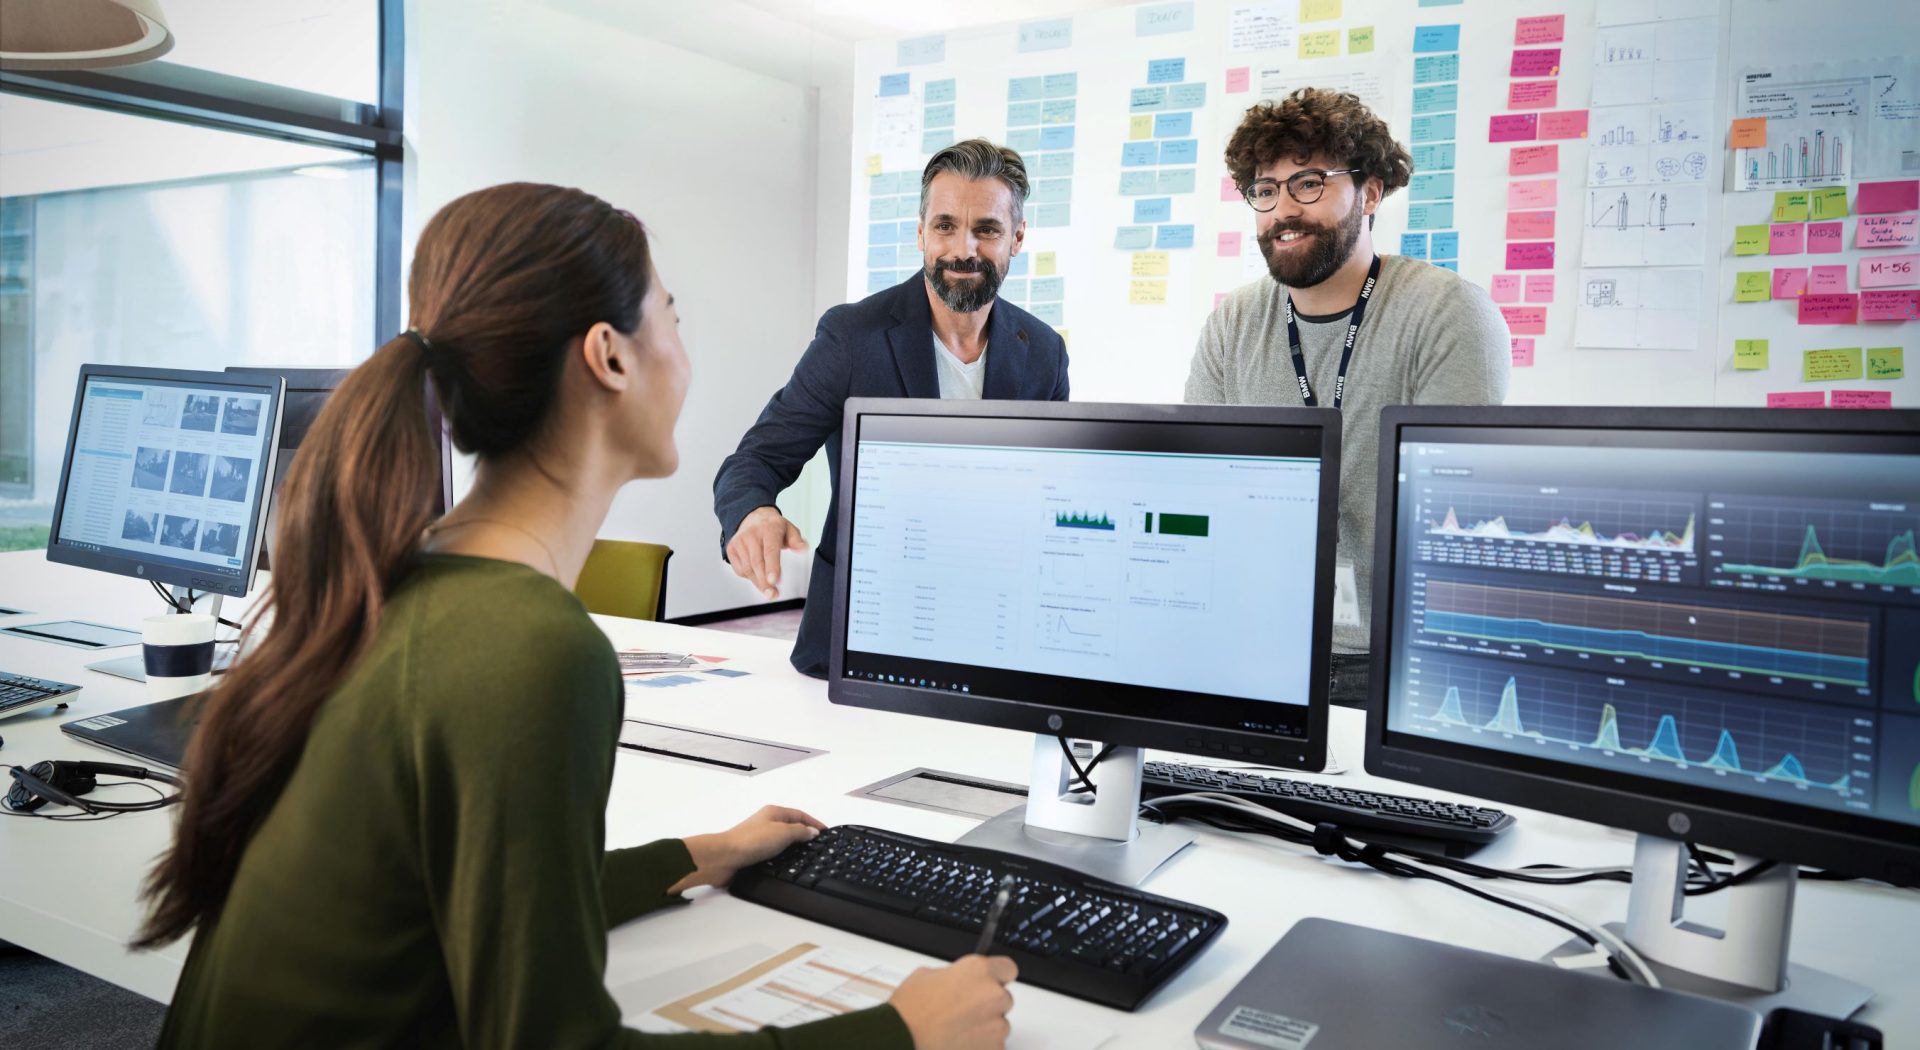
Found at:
[881, 346]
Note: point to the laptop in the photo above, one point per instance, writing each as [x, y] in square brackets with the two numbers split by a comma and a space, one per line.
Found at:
[156, 733]
[1333, 986]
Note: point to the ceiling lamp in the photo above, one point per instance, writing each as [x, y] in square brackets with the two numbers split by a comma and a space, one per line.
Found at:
[81, 34]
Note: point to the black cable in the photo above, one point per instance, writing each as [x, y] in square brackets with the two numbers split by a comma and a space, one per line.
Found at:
[193, 598]
[1083, 777]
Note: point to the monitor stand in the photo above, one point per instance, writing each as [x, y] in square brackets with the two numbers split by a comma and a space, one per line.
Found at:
[134, 668]
[1746, 963]
[1093, 833]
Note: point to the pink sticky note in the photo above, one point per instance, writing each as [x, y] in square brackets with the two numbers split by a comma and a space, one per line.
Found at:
[1883, 271]
[1533, 160]
[1539, 288]
[1827, 279]
[1522, 352]
[1533, 94]
[1890, 306]
[1787, 238]
[1862, 399]
[1884, 231]
[1218, 298]
[1525, 320]
[1788, 282]
[1506, 288]
[1532, 193]
[1512, 127]
[1829, 309]
[1238, 80]
[1880, 197]
[1798, 399]
[1565, 124]
[1228, 191]
[1540, 29]
[1230, 244]
[1824, 238]
[1530, 225]
[1543, 62]
[1534, 255]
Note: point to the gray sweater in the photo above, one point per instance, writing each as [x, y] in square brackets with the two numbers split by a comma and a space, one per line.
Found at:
[1429, 338]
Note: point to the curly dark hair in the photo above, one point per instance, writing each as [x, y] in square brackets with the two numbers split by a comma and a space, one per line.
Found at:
[1314, 121]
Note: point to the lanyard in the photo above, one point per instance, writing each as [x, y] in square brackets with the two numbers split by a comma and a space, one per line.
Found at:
[1346, 354]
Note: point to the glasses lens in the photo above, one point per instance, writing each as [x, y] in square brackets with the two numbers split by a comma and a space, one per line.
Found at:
[1307, 186]
[1263, 195]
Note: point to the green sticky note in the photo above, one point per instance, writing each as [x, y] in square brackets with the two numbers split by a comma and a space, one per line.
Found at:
[1752, 287]
[1750, 240]
[1749, 354]
[1817, 365]
[1790, 206]
[1829, 202]
[1885, 362]
[1360, 41]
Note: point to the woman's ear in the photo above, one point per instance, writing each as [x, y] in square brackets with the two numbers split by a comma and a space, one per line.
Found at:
[602, 351]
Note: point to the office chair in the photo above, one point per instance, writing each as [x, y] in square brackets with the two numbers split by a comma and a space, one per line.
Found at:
[624, 578]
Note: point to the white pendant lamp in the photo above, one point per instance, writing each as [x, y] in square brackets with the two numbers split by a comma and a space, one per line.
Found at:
[81, 34]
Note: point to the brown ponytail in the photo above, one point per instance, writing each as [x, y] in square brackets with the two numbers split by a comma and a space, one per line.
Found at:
[503, 280]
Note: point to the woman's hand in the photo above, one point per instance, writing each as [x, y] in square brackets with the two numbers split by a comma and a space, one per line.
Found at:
[717, 858]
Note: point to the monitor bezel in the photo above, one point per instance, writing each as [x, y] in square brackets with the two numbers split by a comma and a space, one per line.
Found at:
[1306, 752]
[166, 572]
[1858, 845]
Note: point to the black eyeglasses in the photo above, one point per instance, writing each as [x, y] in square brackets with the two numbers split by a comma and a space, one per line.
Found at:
[1303, 186]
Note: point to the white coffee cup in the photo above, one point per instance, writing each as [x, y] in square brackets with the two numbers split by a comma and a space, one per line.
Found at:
[178, 649]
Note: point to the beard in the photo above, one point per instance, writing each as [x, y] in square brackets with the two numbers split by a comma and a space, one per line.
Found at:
[1330, 248]
[964, 296]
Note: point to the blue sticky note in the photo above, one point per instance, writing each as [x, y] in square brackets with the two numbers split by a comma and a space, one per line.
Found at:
[935, 141]
[1053, 215]
[921, 50]
[1176, 180]
[1062, 85]
[1147, 100]
[1180, 151]
[1138, 183]
[1014, 289]
[1057, 111]
[1024, 89]
[1166, 70]
[1049, 35]
[1436, 98]
[1449, 264]
[1436, 215]
[1139, 154]
[1021, 140]
[1187, 96]
[1018, 267]
[1159, 209]
[893, 84]
[1133, 238]
[1049, 289]
[1440, 3]
[879, 281]
[880, 233]
[1413, 245]
[1428, 39]
[885, 184]
[1446, 245]
[880, 208]
[727, 672]
[1173, 125]
[882, 257]
[939, 91]
[1023, 114]
[1434, 127]
[1434, 156]
[1173, 236]
[940, 116]
[1436, 69]
[1051, 191]
[1057, 137]
[909, 231]
[668, 681]
[1055, 164]
[1161, 19]
[1432, 186]
[1054, 314]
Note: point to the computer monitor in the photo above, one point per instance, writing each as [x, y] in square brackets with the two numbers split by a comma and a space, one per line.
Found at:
[1699, 625]
[1146, 576]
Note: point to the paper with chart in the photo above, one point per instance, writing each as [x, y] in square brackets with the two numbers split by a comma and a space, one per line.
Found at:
[1659, 143]
[1635, 309]
[1645, 226]
[1829, 123]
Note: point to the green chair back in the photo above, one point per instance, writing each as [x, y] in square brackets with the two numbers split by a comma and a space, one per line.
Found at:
[624, 578]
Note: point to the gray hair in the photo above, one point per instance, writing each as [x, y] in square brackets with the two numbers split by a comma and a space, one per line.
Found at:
[979, 159]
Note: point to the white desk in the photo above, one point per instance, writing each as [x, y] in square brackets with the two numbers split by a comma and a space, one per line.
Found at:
[68, 890]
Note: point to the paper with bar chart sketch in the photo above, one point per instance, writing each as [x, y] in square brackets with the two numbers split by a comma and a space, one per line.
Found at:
[1829, 124]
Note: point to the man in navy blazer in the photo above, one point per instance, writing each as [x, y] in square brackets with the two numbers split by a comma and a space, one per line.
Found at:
[940, 334]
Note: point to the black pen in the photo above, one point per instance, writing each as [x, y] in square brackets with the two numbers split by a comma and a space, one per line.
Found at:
[994, 915]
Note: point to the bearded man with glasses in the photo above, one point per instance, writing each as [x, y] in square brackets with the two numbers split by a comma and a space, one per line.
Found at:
[1338, 324]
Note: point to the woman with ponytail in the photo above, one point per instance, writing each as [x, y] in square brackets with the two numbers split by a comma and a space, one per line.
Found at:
[394, 822]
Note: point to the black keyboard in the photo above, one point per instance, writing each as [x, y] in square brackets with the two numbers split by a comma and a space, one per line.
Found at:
[1318, 803]
[19, 692]
[1069, 932]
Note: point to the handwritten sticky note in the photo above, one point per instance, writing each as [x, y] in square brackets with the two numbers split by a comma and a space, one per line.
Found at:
[1522, 352]
[1789, 282]
[1147, 293]
[1166, 70]
[1537, 62]
[1436, 69]
[1530, 225]
[1787, 238]
[1512, 127]
[1539, 288]
[1534, 255]
[873, 164]
[1533, 94]
[1140, 127]
[1430, 39]
[1751, 286]
[1533, 160]
[1824, 238]
[1881, 271]
[1798, 399]
[1319, 10]
[1506, 288]
[1896, 305]
[1045, 264]
[1564, 124]
[1533, 193]
[1884, 231]
[1228, 245]
[1748, 133]
[1360, 40]
[1130, 238]
[1149, 264]
[1239, 79]
[1228, 191]
[1878, 198]
[1790, 206]
[1750, 240]
[894, 84]
[1861, 399]
[1446, 245]
[1821, 365]
[1829, 308]
[1886, 362]
[1323, 44]
[1540, 29]
[1749, 354]
[1827, 279]
[1173, 235]
[1525, 320]
[1827, 202]
[1413, 245]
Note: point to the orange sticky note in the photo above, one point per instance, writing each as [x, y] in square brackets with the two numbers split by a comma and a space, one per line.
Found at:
[1748, 133]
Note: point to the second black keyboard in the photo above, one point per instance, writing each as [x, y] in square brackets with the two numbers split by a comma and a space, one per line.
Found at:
[1069, 932]
[1318, 803]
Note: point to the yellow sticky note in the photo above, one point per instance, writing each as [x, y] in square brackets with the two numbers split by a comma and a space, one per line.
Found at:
[1749, 354]
[1752, 287]
[1359, 40]
[1140, 127]
[1148, 293]
[1886, 362]
[1750, 240]
[873, 163]
[1828, 202]
[1319, 10]
[1790, 206]
[1043, 264]
[1325, 44]
[1149, 264]
[1817, 365]
[1065, 340]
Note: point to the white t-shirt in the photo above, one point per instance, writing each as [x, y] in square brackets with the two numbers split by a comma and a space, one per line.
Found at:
[959, 381]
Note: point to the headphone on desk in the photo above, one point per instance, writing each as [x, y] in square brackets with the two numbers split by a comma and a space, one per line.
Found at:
[62, 783]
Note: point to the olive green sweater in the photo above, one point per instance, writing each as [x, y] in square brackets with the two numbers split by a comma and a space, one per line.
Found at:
[435, 873]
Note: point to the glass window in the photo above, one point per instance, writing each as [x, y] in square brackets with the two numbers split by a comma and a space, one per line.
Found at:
[330, 47]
